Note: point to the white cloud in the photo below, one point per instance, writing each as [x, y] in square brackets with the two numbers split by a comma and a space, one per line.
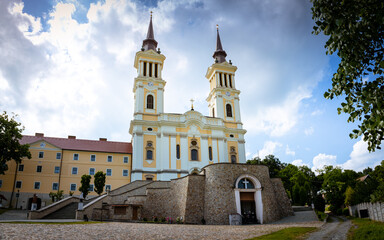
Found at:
[309, 131]
[322, 160]
[361, 158]
[317, 112]
[269, 148]
[288, 151]
[299, 162]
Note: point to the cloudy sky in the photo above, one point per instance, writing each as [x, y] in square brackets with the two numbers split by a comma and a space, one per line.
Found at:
[66, 68]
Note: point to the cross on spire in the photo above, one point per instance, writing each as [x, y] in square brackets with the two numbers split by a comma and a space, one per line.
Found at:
[192, 104]
[150, 42]
[219, 55]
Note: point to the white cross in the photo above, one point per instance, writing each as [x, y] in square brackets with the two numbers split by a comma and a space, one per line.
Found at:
[192, 103]
[245, 183]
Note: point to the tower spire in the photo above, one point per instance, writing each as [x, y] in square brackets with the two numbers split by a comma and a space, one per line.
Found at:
[219, 54]
[150, 42]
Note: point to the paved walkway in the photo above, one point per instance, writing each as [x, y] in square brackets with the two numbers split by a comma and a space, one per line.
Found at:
[119, 230]
[336, 229]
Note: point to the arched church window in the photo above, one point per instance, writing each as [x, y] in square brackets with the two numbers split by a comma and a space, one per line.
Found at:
[150, 101]
[229, 110]
[210, 153]
[149, 154]
[245, 183]
[233, 158]
[178, 151]
[194, 155]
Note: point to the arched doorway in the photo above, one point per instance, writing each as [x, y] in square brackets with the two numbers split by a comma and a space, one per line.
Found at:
[248, 199]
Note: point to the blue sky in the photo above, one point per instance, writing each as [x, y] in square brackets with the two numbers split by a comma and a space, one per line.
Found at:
[66, 68]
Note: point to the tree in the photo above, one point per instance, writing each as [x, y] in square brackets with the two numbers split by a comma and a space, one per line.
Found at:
[356, 33]
[85, 184]
[10, 147]
[99, 181]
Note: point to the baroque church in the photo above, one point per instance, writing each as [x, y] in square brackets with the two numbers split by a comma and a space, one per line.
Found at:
[168, 145]
[180, 166]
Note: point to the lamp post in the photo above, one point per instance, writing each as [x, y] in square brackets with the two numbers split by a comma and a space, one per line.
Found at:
[17, 197]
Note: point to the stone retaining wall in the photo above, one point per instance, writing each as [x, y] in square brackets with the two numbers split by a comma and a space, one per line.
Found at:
[375, 210]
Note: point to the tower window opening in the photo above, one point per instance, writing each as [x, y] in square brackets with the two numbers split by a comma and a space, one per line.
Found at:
[150, 69]
[210, 153]
[229, 110]
[213, 112]
[233, 158]
[144, 69]
[194, 154]
[225, 80]
[230, 80]
[150, 102]
[156, 67]
[178, 151]
[221, 80]
[149, 154]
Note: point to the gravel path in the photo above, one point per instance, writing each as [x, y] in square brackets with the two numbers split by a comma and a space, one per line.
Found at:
[116, 230]
[335, 230]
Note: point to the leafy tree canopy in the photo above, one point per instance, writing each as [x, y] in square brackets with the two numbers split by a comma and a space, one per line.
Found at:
[356, 33]
[85, 184]
[10, 147]
[99, 182]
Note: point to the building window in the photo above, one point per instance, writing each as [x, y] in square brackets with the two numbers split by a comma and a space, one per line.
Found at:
[74, 170]
[125, 173]
[37, 185]
[125, 159]
[57, 169]
[150, 69]
[120, 210]
[194, 153]
[233, 159]
[91, 171]
[1, 183]
[58, 156]
[39, 168]
[245, 183]
[18, 184]
[90, 187]
[75, 156]
[149, 177]
[144, 69]
[229, 110]
[150, 101]
[41, 154]
[156, 67]
[210, 153]
[109, 172]
[55, 186]
[73, 187]
[108, 187]
[109, 159]
[149, 155]
[21, 168]
[230, 80]
[93, 157]
[178, 151]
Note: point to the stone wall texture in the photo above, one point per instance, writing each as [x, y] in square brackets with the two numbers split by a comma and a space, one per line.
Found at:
[375, 210]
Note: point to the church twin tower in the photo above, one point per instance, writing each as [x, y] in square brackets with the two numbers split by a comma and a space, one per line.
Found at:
[168, 145]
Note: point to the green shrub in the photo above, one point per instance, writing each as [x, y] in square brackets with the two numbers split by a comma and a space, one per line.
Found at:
[346, 211]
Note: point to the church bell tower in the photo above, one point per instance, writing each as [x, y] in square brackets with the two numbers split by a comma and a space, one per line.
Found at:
[223, 99]
[149, 86]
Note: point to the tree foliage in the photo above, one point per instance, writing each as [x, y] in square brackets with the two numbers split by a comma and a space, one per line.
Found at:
[85, 184]
[273, 163]
[356, 33]
[99, 182]
[10, 147]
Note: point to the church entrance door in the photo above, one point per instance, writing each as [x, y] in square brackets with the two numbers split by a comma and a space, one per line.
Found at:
[134, 213]
[248, 207]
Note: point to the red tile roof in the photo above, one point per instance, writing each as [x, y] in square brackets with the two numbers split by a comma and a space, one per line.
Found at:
[81, 145]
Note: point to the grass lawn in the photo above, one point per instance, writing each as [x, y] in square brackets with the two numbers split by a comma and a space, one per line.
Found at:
[366, 229]
[288, 233]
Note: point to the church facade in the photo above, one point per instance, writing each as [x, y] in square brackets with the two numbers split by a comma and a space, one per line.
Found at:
[166, 145]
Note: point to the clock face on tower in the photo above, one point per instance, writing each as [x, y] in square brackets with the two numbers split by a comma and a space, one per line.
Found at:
[150, 84]
[228, 94]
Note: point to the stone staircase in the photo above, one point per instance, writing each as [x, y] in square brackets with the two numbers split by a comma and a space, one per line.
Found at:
[67, 212]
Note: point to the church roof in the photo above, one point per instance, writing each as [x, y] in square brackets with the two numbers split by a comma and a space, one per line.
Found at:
[219, 54]
[71, 143]
[150, 42]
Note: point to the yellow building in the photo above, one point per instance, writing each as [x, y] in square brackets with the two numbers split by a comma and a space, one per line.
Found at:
[164, 145]
[59, 163]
